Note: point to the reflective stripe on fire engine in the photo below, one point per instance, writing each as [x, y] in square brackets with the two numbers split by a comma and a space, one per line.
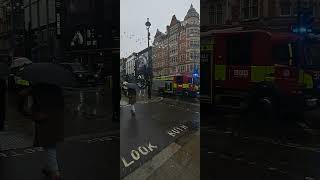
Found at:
[220, 72]
[206, 47]
[185, 86]
[305, 79]
[308, 81]
[22, 82]
[175, 85]
[301, 72]
[262, 73]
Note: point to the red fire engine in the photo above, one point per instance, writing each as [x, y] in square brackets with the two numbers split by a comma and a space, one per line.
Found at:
[270, 71]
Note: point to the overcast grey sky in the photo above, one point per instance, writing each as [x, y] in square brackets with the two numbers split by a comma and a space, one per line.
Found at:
[134, 14]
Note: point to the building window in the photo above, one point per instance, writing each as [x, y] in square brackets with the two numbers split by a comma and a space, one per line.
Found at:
[316, 10]
[219, 14]
[43, 12]
[211, 15]
[52, 11]
[249, 9]
[304, 4]
[239, 48]
[216, 14]
[194, 44]
[34, 16]
[27, 18]
[285, 8]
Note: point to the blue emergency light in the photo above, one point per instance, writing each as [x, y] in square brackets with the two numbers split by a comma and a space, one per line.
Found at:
[301, 30]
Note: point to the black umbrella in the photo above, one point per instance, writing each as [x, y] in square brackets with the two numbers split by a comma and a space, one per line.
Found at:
[48, 73]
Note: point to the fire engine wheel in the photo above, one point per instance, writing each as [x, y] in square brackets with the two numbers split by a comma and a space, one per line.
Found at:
[265, 107]
[265, 104]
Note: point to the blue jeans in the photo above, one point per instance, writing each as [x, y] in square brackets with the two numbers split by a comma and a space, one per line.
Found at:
[52, 163]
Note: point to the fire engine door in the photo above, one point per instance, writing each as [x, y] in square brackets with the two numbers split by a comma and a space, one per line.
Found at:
[286, 70]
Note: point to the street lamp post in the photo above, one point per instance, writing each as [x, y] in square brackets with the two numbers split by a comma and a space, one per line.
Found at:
[13, 35]
[148, 24]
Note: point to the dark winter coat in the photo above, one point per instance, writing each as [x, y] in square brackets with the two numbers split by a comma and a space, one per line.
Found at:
[132, 94]
[2, 103]
[48, 100]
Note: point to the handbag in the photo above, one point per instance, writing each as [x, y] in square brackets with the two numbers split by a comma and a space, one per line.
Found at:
[39, 116]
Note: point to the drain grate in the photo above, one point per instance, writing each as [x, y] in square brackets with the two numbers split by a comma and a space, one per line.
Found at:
[14, 140]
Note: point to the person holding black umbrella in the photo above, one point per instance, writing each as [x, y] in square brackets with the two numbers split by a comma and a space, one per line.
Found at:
[48, 108]
[132, 95]
[3, 87]
[4, 71]
[47, 113]
[149, 88]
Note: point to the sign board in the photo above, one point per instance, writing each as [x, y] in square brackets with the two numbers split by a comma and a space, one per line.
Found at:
[83, 37]
[59, 10]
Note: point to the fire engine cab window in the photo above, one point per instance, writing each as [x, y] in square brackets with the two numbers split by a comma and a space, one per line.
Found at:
[238, 48]
[281, 54]
[312, 54]
[179, 79]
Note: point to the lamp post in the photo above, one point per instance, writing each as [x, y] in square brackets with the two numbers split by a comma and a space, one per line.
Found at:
[148, 24]
[13, 35]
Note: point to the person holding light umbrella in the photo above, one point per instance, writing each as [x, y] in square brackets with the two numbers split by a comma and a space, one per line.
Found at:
[132, 95]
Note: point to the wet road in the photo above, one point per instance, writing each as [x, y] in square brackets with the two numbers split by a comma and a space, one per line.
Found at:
[183, 98]
[87, 110]
[155, 126]
[79, 159]
[233, 147]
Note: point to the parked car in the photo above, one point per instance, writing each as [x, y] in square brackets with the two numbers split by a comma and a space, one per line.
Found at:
[84, 76]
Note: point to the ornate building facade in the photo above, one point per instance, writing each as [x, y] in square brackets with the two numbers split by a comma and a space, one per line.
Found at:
[271, 15]
[177, 51]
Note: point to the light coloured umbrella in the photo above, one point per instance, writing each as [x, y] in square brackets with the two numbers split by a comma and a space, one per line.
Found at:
[19, 62]
[131, 86]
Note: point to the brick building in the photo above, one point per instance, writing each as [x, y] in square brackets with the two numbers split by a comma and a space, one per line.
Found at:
[11, 28]
[272, 15]
[177, 50]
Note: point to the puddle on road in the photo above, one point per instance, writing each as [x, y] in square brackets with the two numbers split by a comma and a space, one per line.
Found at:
[86, 104]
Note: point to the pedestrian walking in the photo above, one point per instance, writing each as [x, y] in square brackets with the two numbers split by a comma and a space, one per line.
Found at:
[3, 88]
[132, 95]
[142, 89]
[47, 114]
[4, 71]
[149, 88]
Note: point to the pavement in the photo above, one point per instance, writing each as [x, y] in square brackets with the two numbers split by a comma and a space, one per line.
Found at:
[236, 147]
[179, 160]
[87, 111]
[91, 140]
[80, 158]
[155, 127]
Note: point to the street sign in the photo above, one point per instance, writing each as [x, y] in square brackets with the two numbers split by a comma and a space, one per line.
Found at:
[59, 16]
